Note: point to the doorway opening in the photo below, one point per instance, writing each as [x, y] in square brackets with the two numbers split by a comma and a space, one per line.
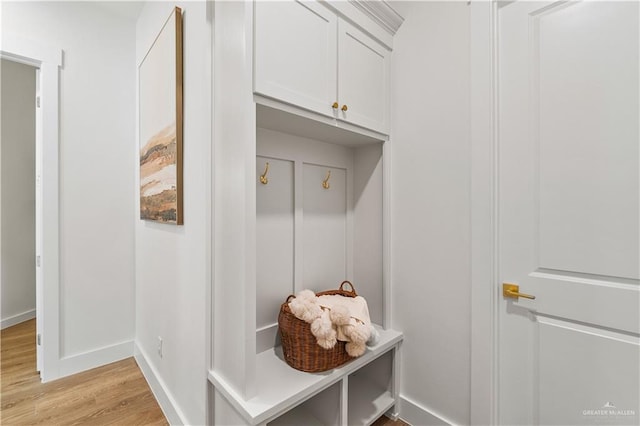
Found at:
[18, 169]
[46, 62]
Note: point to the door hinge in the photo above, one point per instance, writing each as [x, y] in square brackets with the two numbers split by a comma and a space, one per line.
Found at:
[38, 101]
[39, 339]
[38, 261]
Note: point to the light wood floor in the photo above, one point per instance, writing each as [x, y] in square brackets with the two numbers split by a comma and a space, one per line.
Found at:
[116, 394]
[385, 421]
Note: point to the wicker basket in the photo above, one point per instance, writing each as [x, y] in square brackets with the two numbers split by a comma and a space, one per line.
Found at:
[301, 351]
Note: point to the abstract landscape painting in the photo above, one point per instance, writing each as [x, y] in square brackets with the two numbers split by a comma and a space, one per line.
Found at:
[160, 125]
[158, 177]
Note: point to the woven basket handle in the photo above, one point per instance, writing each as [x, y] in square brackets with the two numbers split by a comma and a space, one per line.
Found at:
[291, 296]
[353, 289]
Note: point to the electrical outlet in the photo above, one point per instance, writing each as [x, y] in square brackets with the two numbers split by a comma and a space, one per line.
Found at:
[160, 346]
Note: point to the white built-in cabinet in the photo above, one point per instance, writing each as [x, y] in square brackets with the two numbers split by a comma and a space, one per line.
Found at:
[295, 58]
[363, 79]
[300, 201]
[308, 56]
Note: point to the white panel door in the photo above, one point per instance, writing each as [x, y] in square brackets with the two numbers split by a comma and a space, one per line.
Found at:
[363, 79]
[569, 212]
[39, 234]
[274, 238]
[324, 217]
[295, 53]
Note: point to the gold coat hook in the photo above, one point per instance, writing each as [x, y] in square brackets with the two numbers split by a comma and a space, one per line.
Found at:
[263, 177]
[325, 183]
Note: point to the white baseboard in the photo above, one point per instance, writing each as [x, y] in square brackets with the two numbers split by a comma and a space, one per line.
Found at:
[96, 358]
[415, 414]
[166, 401]
[17, 319]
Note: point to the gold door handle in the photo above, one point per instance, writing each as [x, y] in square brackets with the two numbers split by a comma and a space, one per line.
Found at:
[344, 108]
[513, 290]
[335, 105]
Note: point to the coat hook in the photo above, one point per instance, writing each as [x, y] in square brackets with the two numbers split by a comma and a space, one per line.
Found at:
[325, 183]
[263, 177]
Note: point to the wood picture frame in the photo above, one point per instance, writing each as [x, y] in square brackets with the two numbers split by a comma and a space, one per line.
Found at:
[160, 125]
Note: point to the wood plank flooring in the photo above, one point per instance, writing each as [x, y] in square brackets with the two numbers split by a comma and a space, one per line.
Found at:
[115, 394]
[385, 421]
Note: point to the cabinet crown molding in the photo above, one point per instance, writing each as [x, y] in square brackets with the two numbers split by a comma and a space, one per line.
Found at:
[381, 12]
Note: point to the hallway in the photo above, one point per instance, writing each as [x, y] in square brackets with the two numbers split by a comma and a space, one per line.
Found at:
[114, 394]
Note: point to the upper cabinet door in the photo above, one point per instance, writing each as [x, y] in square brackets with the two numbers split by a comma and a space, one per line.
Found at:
[295, 54]
[363, 79]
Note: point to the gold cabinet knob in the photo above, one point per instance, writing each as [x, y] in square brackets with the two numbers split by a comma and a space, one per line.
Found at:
[344, 108]
[335, 105]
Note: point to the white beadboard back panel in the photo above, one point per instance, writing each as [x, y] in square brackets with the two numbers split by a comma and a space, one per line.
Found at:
[322, 236]
[274, 237]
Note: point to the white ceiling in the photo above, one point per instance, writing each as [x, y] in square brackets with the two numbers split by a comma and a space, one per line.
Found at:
[127, 9]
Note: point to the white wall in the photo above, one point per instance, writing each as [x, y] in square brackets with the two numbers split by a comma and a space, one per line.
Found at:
[431, 209]
[18, 90]
[97, 133]
[172, 262]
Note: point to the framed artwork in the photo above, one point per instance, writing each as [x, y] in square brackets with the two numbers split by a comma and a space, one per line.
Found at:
[160, 125]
